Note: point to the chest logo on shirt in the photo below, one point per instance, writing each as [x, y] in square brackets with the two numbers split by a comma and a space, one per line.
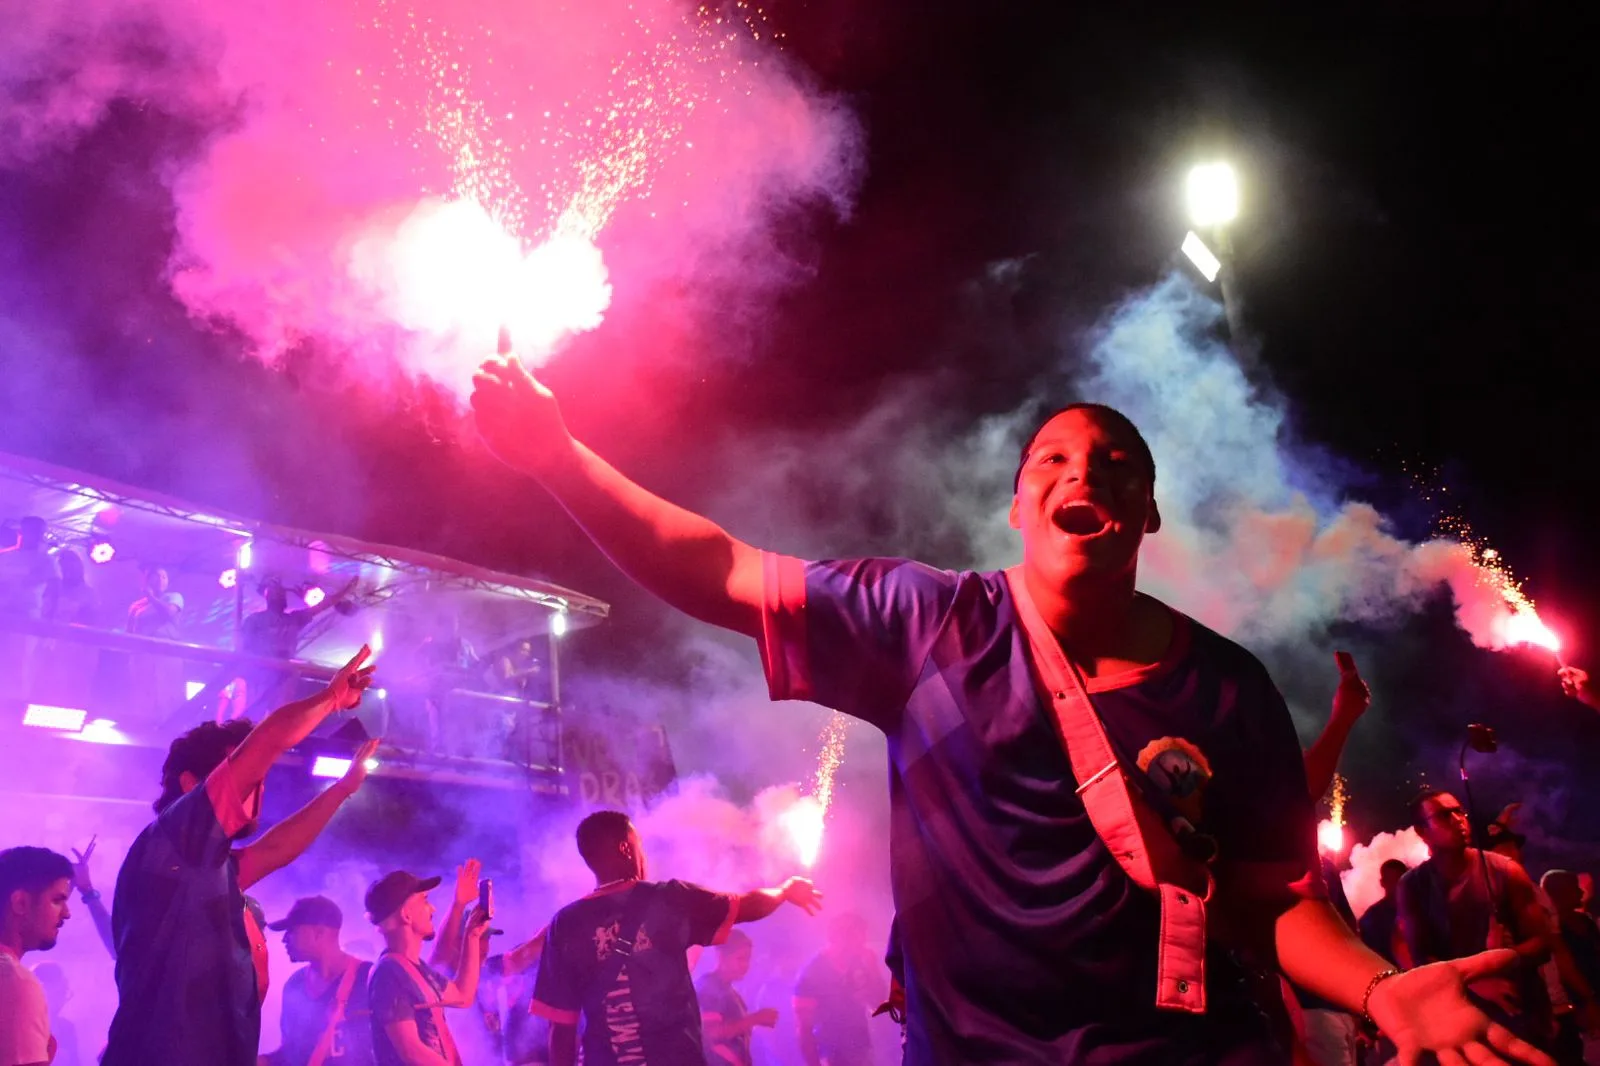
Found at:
[607, 937]
[1179, 769]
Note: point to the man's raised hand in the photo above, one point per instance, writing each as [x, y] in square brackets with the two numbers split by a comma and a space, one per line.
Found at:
[1352, 697]
[351, 681]
[518, 418]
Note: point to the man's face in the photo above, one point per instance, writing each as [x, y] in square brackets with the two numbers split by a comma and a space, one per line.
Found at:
[42, 914]
[159, 580]
[302, 942]
[737, 963]
[1084, 499]
[418, 914]
[1444, 824]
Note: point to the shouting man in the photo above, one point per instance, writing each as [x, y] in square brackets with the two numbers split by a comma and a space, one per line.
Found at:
[1027, 938]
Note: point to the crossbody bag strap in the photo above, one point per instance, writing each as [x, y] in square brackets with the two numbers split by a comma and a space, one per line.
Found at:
[1114, 811]
[341, 1000]
[434, 1003]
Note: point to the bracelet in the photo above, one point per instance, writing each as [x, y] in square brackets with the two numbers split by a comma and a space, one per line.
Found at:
[89, 896]
[1372, 986]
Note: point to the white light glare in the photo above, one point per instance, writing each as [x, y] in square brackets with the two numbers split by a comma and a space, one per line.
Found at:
[1201, 256]
[44, 716]
[1213, 195]
[558, 624]
[247, 554]
[314, 596]
[330, 766]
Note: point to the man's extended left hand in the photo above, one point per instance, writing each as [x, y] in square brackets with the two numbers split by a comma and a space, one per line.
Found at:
[1426, 1011]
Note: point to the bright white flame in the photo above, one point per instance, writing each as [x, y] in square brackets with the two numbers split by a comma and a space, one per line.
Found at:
[376, 643]
[246, 555]
[330, 766]
[382, 693]
[103, 552]
[228, 578]
[1525, 627]
[314, 596]
[1213, 195]
[1195, 248]
[558, 624]
[45, 716]
[803, 822]
[1330, 836]
[370, 764]
[452, 271]
[191, 689]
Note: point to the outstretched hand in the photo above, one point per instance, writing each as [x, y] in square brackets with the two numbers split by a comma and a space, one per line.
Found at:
[517, 417]
[1352, 698]
[1426, 1012]
[352, 680]
[467, 875]
[803, 894]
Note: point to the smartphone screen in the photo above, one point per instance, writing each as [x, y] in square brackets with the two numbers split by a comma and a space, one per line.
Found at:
[486, 897]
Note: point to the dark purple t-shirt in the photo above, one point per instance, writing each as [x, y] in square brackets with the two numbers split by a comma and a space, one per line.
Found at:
[186, 982]
[1024, 941]
[647, 1012]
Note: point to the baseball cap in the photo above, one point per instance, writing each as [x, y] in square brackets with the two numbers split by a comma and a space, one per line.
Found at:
[313, 910]
[390, 892]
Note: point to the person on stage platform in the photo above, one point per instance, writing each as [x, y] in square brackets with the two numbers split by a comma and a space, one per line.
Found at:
[1032, 716]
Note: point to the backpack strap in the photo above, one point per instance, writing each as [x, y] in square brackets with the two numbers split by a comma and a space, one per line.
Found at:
[1142, 842]
[341, 1000]
[433, 1002]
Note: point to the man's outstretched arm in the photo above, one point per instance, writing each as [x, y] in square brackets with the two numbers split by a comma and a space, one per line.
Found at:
[688, 561]
[760, 903]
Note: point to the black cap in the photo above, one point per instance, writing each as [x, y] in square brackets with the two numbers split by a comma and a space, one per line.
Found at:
[313, 910]
[389, 893]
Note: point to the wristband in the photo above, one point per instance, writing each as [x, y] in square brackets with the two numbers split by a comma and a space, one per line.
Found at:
[1372, 986]
[89, 896]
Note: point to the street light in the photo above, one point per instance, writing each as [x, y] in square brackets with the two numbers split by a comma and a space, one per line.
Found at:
[1213, 195]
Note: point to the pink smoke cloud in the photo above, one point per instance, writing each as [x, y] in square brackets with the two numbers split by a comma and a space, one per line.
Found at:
[610, 143]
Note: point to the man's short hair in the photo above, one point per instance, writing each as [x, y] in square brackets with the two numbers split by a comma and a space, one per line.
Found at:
[1142, 449]
[599, 834]
[1414, 806]
[31, 870]
[1391, 865]
[1552, 876]
[199, 751]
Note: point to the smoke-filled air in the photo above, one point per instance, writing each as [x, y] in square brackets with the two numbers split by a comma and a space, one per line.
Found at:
[387, 185]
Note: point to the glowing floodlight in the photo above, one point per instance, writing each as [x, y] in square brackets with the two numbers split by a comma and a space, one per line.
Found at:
[1201, 256]
[558, 623]
[246, 555]
[314, 596]
[103, 552]
[229, 578]
[330, 766]
[44, 716]
[1213, 195]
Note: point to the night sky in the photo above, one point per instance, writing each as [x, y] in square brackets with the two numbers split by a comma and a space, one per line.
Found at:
[1415, 258]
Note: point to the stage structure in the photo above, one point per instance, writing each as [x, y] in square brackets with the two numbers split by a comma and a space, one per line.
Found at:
[469, 659]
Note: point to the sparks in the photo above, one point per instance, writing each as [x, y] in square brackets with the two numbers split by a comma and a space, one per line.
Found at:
[1330, 836]
[829, 758]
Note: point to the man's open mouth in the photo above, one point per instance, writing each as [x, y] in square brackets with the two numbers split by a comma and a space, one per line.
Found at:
[1081, 518]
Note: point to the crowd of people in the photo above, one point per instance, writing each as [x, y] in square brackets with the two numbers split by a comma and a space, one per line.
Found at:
[1103, 844]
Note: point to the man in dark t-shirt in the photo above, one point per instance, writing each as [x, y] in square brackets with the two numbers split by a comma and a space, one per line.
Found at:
[725, 1020]
[190, 957]
[325, 1001]
[1026, 938]
[835, 995]
[617, 959]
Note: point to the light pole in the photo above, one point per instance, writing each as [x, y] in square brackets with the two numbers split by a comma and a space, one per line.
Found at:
[1212, 192]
